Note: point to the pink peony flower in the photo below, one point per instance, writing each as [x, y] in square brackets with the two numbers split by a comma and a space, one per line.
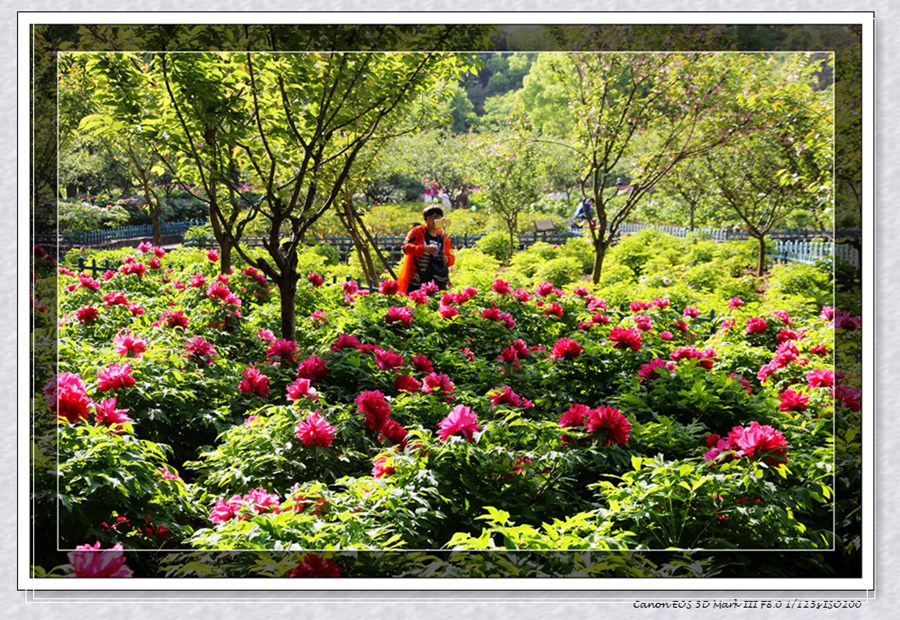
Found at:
[345, 341]
[759, 442]
[315, 279]
[616, 426]
[144, 247]
[106, 413]
[437, 382]
[224, 509]
[401, 314]
[66, 395]
[793, 401]
[212, 256]
[282, 352]
[819, 350]
[114, 298]
[735, 302]
[820, 378]
[392, 431]
[380, 467]
[421, 363]
[461, 421]
[505, 396]
[849, 396]
[314, 430]
[301, 388]
[786, 334]
[649, 370]
[622, 337]
[566, 349]
[126, 344]
[705, 359]
[201, 351]
[114, 377]
[350, 287]
[554, 308]
[254, 382]
[643, 322]
[545, 289]
[447, 312]
[501, 287]
[756, 325]
[173, 318]
[691, 311]
[90, 561]
[666, 335]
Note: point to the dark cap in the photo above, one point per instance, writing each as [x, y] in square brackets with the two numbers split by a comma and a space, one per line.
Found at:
[432, 210]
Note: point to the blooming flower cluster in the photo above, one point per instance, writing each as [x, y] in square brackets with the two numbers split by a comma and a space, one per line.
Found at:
[756, 442]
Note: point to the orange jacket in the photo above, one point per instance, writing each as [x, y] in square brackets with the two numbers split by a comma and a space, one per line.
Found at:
[413, 248]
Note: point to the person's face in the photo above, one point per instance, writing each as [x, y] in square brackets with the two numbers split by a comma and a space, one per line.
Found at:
[434, 220]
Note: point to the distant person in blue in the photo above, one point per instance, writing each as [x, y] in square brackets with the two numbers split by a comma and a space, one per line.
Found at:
[583, 212]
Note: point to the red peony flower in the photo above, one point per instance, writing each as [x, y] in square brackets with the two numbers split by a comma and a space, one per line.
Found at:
[114, 376]
[106, 413]
[212, 256]
[691, 311]
[380, 467]
[501, 287]
[705, 359]
[735, 302]
[622, 337]
[114, 298]
[174, 318]
[643, 322]
[314, 565]
[86, 314]
[392, 431]
[615, 425]
[389, 287]
[447, 312]
[759, 442]
[313, 368]
[314, 430]
[254, 382]
[649, 370]
[406, 383]
[421, 363]
[67, 396]
[504, 395]
[793, 401]
[315, 279]
[756, 325]
[373, 404]
[387, 359]
[461, 421]
[820, 378]
[566, 349]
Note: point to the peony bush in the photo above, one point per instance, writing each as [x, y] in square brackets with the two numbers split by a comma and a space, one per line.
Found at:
[518, 414]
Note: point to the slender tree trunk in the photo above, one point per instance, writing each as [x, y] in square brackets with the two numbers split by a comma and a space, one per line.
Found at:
[221, 238]
[600, 247]
[287, 290]
[761, 263]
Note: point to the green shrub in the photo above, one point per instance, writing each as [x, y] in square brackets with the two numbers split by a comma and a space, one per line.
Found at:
[84, 217]
[799, 279]
[495, 244]
[559, 271]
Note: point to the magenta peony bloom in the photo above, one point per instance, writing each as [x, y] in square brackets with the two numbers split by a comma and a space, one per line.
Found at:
[144, 247]
[622, 337]
[387, 359]
[819, 350]
[504, 395]
[447, 312]
[315, 279]
[666, 335]
[224, 509]
[350, 287]
[126, 344]
[313, 368]
[106, 413]
[545, 289]
[823, 377]
[282, 352]
[389, 287]
[705, 359]
[345, 341]
[580, 291]
[380, 467]
[392, 431]
[691, 311]
[201, 351]
[649, 370]
[566, 349]
[437, 382]
[173, 318]
[643, 322]
[114, 377]
[461, 421]
[401, 314]
[212, 256]
[301, 388]
[154, 263]
[86, 314]
[756, 325]
[254, 382]
[615, 425]
[421, 363]
[735, 302]
[793, 401]
[115, 297]
[315, 430]
[406, 383]
[90, 561]
[554, 308]
[849, 396]
[259, 499]
[501, 287]
[783, 315]
[759, 442]
[198, 281]
[373, 404]
[67, 396]
[314, 565]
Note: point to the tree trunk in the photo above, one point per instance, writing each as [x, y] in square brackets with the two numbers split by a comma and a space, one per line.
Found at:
[600, 247]
[155, 212]
[761, 264]
[287, 289]
[221, 238]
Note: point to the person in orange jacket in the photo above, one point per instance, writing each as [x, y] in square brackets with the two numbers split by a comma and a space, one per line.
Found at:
[428, 254]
